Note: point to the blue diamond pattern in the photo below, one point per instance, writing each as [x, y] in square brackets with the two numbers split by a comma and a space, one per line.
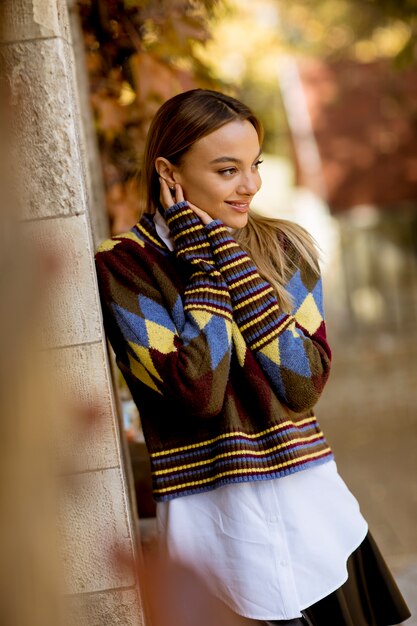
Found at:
[154, 312]
[297, 289]
[133, 326]
[218, 339]
[317, 293]
[296, 358]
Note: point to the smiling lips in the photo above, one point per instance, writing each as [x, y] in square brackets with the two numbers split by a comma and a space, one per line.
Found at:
[241, 207]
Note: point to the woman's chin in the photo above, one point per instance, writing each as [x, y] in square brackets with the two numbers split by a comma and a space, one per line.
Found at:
[236, 221]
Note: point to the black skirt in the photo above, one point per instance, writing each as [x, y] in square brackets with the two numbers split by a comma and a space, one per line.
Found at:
[369, 597]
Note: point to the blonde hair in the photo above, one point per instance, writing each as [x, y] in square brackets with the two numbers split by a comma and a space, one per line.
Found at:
[277, 246]
[274, 245]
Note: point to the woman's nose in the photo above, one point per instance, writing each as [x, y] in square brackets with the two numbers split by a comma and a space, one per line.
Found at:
[250, 184]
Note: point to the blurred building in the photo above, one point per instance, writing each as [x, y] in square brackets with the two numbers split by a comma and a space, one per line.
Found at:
[354, 134]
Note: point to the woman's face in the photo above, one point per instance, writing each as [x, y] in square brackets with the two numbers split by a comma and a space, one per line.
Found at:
[219, 173]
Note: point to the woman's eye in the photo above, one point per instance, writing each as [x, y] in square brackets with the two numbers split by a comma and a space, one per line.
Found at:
[228, 171]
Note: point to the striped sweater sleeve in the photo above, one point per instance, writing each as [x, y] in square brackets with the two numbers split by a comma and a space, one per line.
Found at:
[186, 361]
[292, 349]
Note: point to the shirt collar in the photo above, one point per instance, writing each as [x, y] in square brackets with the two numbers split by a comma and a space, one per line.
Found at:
[163, 231]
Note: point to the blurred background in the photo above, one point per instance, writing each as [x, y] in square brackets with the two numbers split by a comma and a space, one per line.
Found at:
[335, 85]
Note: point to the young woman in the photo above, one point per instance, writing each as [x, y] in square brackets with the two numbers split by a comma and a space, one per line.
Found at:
[216, 318]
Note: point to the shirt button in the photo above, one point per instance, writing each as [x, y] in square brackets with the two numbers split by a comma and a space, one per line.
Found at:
[283, 563]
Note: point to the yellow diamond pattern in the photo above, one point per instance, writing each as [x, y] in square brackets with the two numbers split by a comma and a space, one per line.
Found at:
[271, 350]
[131, 236]
[160, 338]
[107, 245]
[201, 318]
[140, 372]
[308, 315]
[145, 358]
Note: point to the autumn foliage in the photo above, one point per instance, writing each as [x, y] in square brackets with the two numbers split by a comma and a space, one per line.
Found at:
[139, 54]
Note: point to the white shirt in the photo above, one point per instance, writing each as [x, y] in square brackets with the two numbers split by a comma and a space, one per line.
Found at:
[266, 548]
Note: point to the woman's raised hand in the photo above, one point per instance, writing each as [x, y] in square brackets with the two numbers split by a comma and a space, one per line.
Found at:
[167, 200]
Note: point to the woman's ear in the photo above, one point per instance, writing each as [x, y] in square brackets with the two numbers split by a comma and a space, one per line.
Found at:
[165, 170]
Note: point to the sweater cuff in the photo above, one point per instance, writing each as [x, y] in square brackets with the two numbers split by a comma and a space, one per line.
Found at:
[253, 297]
[190, 238]
[213, 224]
[227, 252]
[180, 217]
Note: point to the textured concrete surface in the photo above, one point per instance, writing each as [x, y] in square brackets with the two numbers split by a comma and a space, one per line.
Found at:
[89, 144]
[34, 19]
[94, 522]
[114, 608]
[49, 156]
[87, 441]
[74, 316]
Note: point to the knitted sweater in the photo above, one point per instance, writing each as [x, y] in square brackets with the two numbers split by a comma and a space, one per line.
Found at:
[224, 380]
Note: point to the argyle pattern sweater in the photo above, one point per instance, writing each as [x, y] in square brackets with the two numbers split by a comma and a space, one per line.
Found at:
[224, 380]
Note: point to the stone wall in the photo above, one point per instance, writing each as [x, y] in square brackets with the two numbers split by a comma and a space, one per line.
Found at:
[37, 54]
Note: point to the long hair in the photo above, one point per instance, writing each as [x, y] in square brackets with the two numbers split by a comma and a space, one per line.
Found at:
[177, 125]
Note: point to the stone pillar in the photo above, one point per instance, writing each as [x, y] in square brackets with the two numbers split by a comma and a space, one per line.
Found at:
[37, 53]
[93, 168]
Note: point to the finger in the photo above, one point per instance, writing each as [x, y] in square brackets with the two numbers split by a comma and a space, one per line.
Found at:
[166, 197]
[195, 208]
[204, 217]
[179, 194]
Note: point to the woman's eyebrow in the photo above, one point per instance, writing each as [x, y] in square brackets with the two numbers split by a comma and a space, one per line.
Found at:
[224, 159]
[227, 159]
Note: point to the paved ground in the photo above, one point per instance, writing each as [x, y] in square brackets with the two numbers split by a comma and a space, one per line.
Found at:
[406, 576]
